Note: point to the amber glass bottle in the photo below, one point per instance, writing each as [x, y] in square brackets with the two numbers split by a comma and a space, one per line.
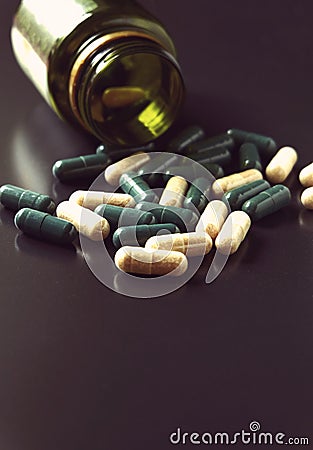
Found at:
[106, 65]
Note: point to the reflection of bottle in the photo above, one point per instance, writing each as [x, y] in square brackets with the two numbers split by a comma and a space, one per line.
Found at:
[107, 65]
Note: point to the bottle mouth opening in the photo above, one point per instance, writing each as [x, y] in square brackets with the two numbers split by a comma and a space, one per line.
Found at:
[127, 92]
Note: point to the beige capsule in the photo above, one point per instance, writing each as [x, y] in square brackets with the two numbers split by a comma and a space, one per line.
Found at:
[233, 232]
[191, 244]
[306, 176]
[307, 198]
[225, 184]
[85, 221]
[281, 165]
[118, 97]
[139, 260]
[113, 173]
[212, 218]
[174, 192]
[92, 199]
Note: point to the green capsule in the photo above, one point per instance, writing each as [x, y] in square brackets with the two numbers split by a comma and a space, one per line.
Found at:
[116, 154]
[266, 145]
[267, 202]
[185, 138]
[221, 141]
[15, 198]
[219, 156]
[192, 171]
[138, 235]
[137, 187]
[154, 169]
[185, 219]
[123, 217]
[249, 157]
[45, 227]
[238, 196]
[81, 168]
[197, 195]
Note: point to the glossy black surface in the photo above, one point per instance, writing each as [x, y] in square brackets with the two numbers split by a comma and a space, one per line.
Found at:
[84, 368]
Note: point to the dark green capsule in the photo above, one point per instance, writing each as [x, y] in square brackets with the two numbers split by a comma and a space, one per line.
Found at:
[15, 198]
[154, 169]
[249, 157]
[266, 145]
[267, 202]
[137, 187]
[138, 235]
[198, 194]
[123, 217]
[45, 227]
[221, 141]
[185, 138]
[192, 171]
[116, 154]
[81, 168]
[219, 156]
[184, 219]
[238, 196]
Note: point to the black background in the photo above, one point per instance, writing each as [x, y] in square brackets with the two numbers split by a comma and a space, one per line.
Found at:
[82, 367]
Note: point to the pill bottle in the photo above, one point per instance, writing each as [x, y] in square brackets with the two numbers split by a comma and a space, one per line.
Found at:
[107, 66]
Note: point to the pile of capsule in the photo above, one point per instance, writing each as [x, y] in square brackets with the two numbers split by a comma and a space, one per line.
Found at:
[153, 234]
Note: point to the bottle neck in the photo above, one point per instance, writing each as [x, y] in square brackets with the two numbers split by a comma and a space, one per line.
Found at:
[122, 79]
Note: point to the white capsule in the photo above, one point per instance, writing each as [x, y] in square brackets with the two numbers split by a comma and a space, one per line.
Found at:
[85, 221]
[225, 184]
[139, 260]
[191, 244]
[212, 218]
[113, 173]
[281, 165]
[306, 176]
[307, 198]
[233, 232]
[174, 192]
[92, 199]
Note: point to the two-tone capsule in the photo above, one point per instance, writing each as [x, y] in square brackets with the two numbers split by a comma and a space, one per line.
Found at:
[212, 218]
[137, 187]
[267, 202]
[43, 226]
[85, 167]
[174, 192]
[238, 196]
[92, 199]
[138, 235]
[235, 180]
[249, 157]
[184, 219]
[132, 163]
[281, 165]
[233, 232]
[122, 217]
[84, 220]
[153, 170]
[15, 198]
[141, 261]
[191, 244]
